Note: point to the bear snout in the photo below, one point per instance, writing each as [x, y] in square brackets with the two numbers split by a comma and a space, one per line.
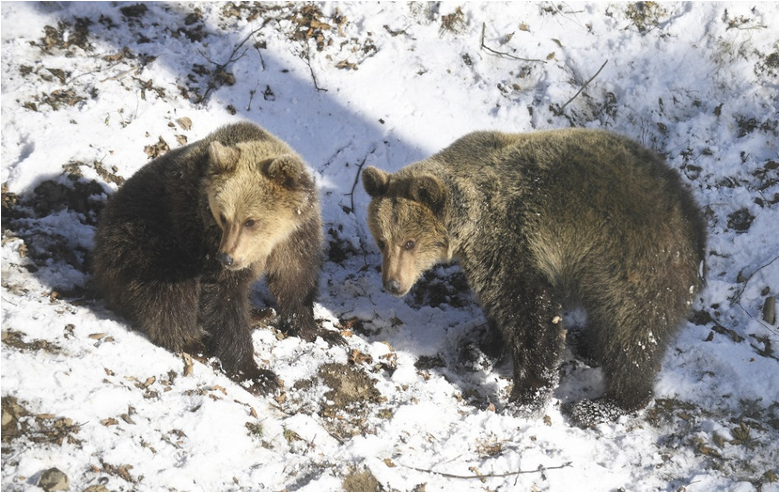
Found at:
[225, 259]
[393, 287]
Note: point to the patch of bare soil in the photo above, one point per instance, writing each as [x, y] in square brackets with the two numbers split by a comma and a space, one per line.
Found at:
[346, 406]
[24, 216]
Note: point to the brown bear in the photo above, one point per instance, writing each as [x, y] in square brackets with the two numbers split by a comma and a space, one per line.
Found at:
[179, 245]
[580, 216]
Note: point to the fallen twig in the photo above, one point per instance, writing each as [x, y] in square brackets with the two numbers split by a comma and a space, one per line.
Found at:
[252, 94]
[502, 54]
[312, 72]
[560, 111]
[489, 475]
[736, 297]
[115, 77]
[236, 49]
[356, 179]
[222, 67]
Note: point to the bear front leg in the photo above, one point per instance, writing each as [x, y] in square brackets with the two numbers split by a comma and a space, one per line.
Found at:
[292, 275]
[295, 301]
[531, 326]
[225, 315]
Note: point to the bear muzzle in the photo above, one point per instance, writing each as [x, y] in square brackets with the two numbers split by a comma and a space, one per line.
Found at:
[393, 286]
[225, 259]
[230, 252]
[398, 272]
[231, 262]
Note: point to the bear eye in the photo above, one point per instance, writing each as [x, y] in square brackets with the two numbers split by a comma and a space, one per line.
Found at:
[381, 244]
[222, 219]
[409, 245]
[249, 223]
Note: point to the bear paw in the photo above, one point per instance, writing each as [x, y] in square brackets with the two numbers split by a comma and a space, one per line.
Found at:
[527, 411]
[529, 402]
[590, 413]
[257, 381]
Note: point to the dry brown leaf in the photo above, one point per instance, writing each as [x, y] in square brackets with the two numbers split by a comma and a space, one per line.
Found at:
[358, 357]
[188, 360]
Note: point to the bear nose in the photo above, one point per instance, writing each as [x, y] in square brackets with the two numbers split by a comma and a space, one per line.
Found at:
[392, 286]
[225, 259]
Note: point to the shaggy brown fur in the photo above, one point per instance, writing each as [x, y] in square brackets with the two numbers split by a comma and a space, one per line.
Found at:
[536, 219]
[181, 242]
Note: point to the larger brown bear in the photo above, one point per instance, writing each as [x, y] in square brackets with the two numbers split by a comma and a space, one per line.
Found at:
[180, 243]
[534, 219]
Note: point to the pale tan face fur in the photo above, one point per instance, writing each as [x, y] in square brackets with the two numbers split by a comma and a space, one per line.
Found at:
[255, 210]
[410, 237]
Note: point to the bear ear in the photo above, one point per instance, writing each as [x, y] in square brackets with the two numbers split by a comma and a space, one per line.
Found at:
[430, 191]
[222, 158]
[289, 171]
[375, 181]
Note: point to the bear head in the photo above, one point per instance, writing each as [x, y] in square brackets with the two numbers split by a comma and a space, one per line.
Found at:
[406, 217]
[259, 193]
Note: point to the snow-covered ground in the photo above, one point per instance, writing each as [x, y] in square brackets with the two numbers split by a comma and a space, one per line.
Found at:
[90, 91]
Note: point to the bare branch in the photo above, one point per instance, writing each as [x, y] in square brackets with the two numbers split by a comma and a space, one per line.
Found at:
[309, 66]
[736, 297]
[560, 111]
[231, 58]
[490, 475]
[356, 179]
[222, 67]
[115, 77]
[501, 54]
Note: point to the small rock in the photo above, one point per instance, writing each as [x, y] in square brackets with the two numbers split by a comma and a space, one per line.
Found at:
[770, 310]
[97, 488]
[7, 418]
[185, 122]
[53, 480]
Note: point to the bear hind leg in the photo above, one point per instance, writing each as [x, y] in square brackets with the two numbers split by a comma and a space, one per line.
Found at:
[629, 347]
[167, 312]
[630, 366]
[492, 343]
[628, 387]
[147, 277]
[628, 340]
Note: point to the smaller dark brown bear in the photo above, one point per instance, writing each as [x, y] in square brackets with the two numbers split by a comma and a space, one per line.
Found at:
[179, 245]
[535, 219]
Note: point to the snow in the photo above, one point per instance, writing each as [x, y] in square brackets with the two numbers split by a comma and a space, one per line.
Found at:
[388, 83]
